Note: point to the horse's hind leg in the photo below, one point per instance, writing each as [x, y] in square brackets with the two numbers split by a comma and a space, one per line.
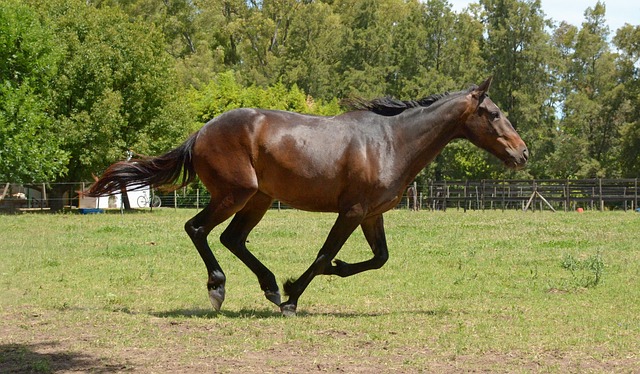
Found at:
[373, 229]
[235, 236]
[346, 223]
[199, 227]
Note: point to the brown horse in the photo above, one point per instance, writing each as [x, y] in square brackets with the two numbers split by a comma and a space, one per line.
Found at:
[356, 164]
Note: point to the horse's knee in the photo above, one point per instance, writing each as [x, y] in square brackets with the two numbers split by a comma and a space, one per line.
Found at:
[194, 232]
[188, 226]
[190, 229]
[231, 241]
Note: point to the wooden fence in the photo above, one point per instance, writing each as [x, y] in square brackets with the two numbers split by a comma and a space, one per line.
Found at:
[594, 194]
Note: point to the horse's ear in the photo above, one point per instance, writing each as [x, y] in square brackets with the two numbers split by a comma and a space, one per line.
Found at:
[483, 88]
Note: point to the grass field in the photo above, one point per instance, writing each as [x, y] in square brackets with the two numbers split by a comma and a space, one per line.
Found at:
[476, 291]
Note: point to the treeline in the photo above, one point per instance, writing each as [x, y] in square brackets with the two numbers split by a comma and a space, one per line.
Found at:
[83, 81]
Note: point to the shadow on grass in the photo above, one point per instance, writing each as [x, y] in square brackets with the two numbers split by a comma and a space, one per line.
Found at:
[26, 358]
[271, 313]
[209, 313]
[434, 313]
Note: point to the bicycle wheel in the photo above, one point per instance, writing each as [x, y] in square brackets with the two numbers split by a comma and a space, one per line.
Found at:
[142, 201]
[156, 202]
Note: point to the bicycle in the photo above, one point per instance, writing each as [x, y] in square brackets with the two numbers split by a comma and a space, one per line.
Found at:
[144, 202]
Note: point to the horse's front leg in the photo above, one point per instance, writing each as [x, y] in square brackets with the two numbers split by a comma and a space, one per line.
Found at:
[340, 232]
[373, 229]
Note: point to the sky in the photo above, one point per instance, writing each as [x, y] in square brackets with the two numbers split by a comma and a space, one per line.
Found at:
[618, 12]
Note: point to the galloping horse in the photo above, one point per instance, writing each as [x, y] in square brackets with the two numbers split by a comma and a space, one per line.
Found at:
[356, 164]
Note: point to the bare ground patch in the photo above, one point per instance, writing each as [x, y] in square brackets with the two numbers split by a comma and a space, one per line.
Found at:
[63, 341]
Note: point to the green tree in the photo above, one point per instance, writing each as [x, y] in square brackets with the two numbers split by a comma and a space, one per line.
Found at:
[422, 49]
[592, 96]
[225, 93]
[260, 32]
[627, 40]
[365, 60]
[466, 64]
[29, 140]
[112, 87]
[175, 18]
[313, 47]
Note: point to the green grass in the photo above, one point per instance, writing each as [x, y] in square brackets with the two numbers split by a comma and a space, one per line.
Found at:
[487, 291]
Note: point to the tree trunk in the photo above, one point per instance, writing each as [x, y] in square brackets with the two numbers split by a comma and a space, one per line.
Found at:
[125, 199]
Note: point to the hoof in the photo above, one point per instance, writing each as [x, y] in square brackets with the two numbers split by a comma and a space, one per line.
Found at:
[217, 297]
[288, 310]
[215, 285]
[274, 297]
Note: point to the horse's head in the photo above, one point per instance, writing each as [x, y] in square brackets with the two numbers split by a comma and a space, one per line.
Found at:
[489, 129]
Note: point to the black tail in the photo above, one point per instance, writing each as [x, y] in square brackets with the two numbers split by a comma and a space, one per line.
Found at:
[154, 171]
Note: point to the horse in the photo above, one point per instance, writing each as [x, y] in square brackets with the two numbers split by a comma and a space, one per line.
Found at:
[356, 164]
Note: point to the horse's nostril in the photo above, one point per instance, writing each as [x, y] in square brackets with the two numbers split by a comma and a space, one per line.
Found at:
[525, 154]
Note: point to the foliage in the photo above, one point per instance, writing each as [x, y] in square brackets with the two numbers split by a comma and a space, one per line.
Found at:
[224, 93]
[627, 40]
[113, 89]
[29, 137]
[585, 273]
[141, 74]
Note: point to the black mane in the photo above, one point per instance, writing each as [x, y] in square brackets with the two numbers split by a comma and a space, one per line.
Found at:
[389, 106]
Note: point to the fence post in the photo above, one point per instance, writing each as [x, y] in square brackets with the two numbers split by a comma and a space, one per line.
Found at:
[503, 197]
[445, 196]
[567, 199]
[432, 197]
[466, 187]
[535, 188]
[600, 194]
[44, 196]
[482, 198]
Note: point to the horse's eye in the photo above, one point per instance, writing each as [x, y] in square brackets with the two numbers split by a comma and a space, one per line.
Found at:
[494, 115]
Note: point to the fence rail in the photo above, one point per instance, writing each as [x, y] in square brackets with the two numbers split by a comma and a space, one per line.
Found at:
[594, 194]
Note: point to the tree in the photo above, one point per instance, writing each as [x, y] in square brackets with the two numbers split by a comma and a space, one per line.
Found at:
[114, 88]
[365, 60]
[29, 141]
[114, 83]
[627, 40]
[225, 93]
[313, 47]
[518, 51]
[423, 46]
[593, 96]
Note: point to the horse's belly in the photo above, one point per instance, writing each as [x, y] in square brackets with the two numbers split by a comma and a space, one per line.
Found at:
[309, 195]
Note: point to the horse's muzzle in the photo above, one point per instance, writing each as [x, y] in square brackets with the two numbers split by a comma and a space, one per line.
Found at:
[518, 157]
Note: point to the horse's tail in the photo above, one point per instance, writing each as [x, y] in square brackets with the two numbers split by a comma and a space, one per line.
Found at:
[173, 166]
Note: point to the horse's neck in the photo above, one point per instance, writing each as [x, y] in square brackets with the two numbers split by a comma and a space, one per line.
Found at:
[421, 134]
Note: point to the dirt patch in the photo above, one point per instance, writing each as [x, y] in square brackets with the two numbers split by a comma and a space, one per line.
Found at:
[65, 341]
